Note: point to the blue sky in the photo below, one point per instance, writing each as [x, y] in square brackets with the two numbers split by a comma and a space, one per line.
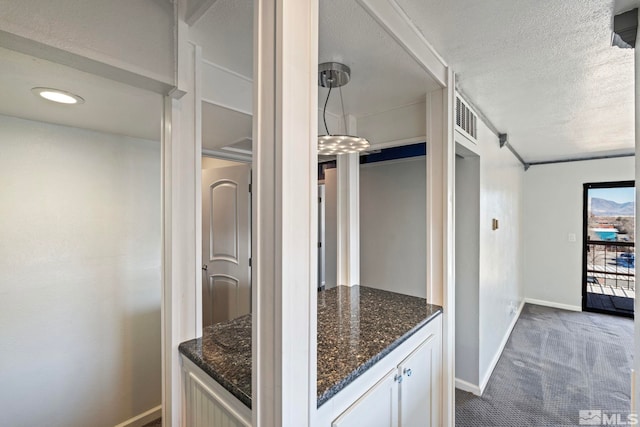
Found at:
[619, 195]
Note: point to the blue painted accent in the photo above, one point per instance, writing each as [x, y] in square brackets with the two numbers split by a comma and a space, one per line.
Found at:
[393, 153]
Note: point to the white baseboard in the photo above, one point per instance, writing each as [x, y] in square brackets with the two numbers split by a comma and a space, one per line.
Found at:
[503, 343]
[144, 418]
[553, 304]
[467, 386]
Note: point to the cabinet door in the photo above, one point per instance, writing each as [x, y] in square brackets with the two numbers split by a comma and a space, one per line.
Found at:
[420, 386]
[378, 407]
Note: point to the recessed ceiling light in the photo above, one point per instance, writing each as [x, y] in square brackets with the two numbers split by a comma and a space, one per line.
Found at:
[57, 95]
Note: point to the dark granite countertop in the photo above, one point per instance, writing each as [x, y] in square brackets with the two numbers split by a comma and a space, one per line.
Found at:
[357, 327]
[224, 352]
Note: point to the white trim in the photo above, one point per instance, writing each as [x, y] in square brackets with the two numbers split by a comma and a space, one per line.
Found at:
[224, 87]
[227, 70]
[237, 150]
[168, 395]
[181, 170]
[143, 418]
[391, 162]
[91, 62]
[197, 180]
[226, 155]
[553, 304]
[390, 15]
[462, 139]
[468, 387]
[226, 106]
[496, 356]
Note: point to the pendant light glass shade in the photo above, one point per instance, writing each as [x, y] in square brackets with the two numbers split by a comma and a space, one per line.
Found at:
[329, 145]
[333, 74]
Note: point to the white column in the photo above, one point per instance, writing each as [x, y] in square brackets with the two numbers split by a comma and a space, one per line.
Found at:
[348, 214]
[181, 302]
[285, 213]
[635, 388]
[440, 230]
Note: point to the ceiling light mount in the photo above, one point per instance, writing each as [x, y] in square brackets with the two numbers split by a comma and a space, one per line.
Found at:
[335, 75]
[57, 95]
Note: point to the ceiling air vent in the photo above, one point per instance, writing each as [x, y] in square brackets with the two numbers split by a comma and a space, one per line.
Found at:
[466, 120]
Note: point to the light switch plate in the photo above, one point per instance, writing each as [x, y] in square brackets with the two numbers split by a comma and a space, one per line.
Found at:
[572, 237]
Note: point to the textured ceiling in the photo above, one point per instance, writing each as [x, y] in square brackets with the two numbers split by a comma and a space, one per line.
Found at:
[383, 76]
[109, 106]
[542, 71]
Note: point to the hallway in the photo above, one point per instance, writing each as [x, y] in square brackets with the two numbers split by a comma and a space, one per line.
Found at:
[555, 364]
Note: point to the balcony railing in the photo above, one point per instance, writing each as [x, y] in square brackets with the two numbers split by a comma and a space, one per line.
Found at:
[611, 268]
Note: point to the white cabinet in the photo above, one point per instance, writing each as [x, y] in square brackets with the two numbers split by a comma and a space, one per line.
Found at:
[408, 395]
[419, 400]
[378, 407]
[207, 404]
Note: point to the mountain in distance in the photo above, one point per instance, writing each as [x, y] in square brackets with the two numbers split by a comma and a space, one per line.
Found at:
[603, 207]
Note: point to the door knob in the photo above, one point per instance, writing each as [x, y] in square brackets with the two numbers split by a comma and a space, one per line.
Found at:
[204, 267]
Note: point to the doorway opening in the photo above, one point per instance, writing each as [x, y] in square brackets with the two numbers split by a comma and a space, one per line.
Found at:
[608, 284]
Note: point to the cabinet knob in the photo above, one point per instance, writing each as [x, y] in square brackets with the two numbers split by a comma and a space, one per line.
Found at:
[397, 378]
[407, 372]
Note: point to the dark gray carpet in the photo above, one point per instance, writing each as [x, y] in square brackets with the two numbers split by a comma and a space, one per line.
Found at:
[555, 364]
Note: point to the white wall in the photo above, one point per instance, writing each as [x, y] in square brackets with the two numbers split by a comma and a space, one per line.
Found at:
[79, 276]
[393, 226]
[467, 267]
[553, 210]
[403, 123]
[501, 269]
[489, 283]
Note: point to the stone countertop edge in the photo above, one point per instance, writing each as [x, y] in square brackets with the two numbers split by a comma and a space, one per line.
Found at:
[224, 351]
[352, 376]
[185, 349]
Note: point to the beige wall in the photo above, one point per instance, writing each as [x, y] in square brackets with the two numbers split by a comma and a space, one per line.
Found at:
[79, 276]
[393, 218]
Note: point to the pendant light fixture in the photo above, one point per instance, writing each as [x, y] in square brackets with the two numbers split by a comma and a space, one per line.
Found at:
[335, 75]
